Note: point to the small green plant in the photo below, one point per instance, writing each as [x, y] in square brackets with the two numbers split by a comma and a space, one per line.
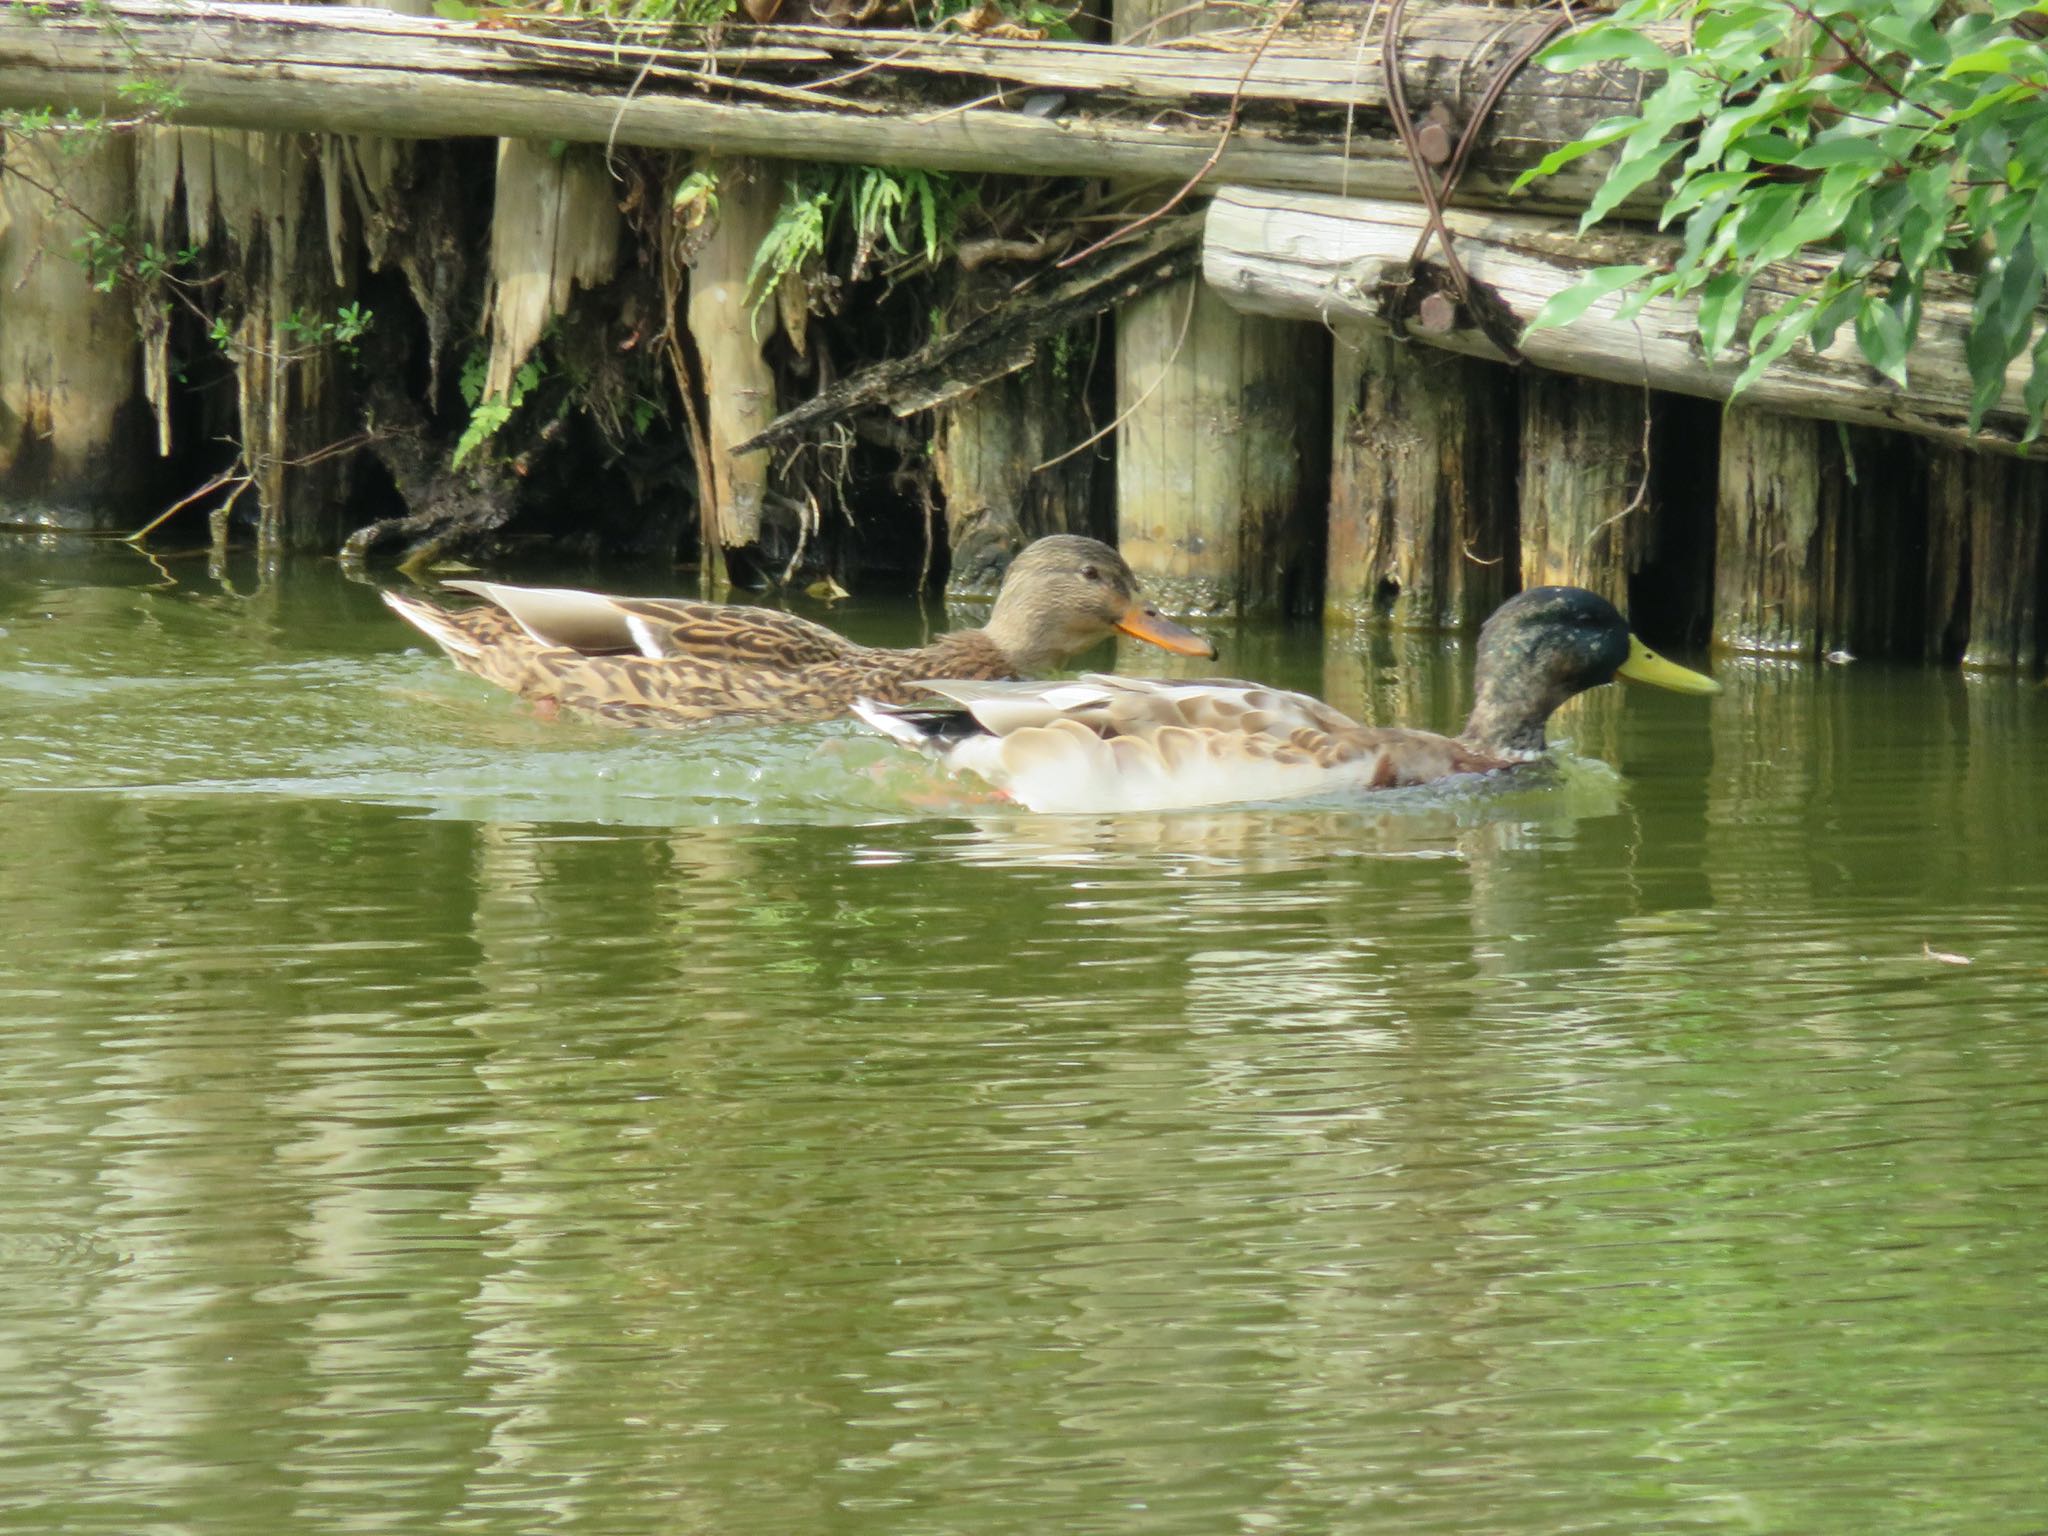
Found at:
[695, 199]
[910, 212]
[104, 255]
[109, 259]
[1066, 352]
[151, 97]
[487, 413]
[344, 331]
[25, 122]
[1911, 136]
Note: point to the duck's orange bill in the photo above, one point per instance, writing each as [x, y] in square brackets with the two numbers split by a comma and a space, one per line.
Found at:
[1147, 624]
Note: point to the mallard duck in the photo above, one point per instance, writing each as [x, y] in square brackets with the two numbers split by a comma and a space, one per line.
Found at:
[1127, 743]
[670, 661]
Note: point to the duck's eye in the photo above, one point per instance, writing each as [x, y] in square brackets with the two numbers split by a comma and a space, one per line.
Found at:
[1089, 573]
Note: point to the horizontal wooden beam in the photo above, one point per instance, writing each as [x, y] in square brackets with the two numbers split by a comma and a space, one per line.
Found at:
[1310, 100]
[1326, 258]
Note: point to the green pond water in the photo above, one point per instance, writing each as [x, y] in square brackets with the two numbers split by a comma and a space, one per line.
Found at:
[422, 1117]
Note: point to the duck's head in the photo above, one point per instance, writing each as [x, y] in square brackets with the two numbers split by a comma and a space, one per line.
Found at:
[1547, 644]
[1064, 593]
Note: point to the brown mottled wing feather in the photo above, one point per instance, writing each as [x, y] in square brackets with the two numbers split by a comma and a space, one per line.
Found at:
[715, 662]
[747, 637]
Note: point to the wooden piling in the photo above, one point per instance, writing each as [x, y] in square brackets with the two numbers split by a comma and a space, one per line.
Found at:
[1221, 452]
[737, 381]
[990, 445]
[1986, 562]
[73, 430]
[1422, 515]
[1815, 529]
[1586, 508]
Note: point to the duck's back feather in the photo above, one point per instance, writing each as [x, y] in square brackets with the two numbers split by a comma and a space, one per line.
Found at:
[1105, 743]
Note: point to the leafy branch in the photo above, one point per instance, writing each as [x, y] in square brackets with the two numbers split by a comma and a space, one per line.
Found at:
[1908, 136]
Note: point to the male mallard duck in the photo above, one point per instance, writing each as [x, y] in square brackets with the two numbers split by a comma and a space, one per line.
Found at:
[1126, 743]
[669, 661]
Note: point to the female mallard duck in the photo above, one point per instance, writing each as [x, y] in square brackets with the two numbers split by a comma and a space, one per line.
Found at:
[1126, 743]
[669, 661]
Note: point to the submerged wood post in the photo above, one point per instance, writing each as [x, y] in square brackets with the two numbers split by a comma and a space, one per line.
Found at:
[991, 443]
[1222, 443]
[1421, 485]
[73, 432]
[1586, 516]
[1815, 524]
[1779, 497]
[1986, 560]
[729, 332]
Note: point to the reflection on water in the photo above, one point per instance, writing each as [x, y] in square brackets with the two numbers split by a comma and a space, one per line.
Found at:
[423, 1117]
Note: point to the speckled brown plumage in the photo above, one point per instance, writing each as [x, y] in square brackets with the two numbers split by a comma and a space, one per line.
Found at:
[664, 661]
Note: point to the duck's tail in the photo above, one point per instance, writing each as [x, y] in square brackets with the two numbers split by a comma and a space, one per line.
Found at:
[437, 624]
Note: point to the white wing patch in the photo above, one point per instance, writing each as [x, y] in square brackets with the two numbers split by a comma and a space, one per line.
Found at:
[646, 637]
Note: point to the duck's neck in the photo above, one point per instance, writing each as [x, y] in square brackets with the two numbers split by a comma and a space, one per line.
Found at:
[1507, 716]
[1019, 636]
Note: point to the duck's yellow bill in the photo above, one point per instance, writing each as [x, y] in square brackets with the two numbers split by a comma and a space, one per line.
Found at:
[1646, 666]
[1164, 633]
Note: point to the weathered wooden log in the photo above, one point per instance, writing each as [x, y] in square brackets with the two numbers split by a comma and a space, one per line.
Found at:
[1311, 102]
[1347, 260]
[73, 429]
[1422, 497]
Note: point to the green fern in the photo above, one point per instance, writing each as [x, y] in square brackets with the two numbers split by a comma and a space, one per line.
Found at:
[907, 212]
[490, 412]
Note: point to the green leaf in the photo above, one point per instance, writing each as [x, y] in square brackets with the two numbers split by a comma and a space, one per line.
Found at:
[1597, 138]
[1840, 305]
[1721, 310]
[1765, 148]
[1623, 181]
[2001, 58]
[2001, 322]
[1604, 43]
[2035, 396]
[1842, 148]
[1565, 307]
[455, 10]
[1784, 330]
[1881, 334]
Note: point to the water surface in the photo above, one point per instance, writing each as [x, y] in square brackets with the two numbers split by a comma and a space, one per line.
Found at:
[424, 1117]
